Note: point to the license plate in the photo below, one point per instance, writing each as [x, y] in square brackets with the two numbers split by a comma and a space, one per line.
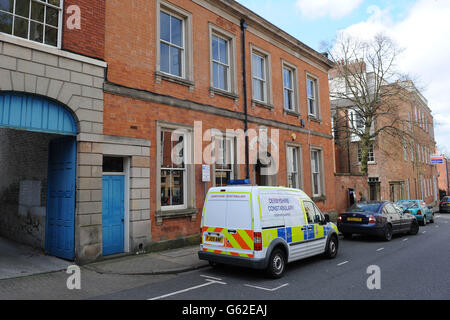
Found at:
[354, 219]
[214, 239]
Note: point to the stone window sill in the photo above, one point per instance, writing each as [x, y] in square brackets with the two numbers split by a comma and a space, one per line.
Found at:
[213, 91]
[172, 214]
[262, 104]
[167, 77]
[319, 198]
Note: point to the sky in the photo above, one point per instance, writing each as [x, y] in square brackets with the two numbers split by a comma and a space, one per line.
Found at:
[420, 27]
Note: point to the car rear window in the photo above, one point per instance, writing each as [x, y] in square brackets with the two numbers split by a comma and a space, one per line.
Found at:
[407, 204]
[364, 207]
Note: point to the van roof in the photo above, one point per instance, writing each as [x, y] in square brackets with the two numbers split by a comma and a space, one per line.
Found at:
[248, 188]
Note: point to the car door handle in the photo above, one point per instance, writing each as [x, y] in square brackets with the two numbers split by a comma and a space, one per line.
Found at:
[232, 231]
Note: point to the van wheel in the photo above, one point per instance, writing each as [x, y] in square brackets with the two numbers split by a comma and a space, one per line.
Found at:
[332, 248]
[277, 264]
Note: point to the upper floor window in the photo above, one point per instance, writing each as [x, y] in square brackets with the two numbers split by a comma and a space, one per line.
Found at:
[288, 87]
[172, 44]
[371, 155]
[311, 86]
[259, 77]
[35, 20]
[220, 48]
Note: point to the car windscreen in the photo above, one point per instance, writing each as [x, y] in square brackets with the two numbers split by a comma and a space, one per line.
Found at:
[364, 207]
[445, 199]
[408, 204]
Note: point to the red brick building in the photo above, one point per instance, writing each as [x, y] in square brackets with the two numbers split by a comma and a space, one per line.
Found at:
[171, 63]
[399, 166]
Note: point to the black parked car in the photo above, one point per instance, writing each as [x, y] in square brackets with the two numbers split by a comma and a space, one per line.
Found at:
[444, 205]
[378, 218]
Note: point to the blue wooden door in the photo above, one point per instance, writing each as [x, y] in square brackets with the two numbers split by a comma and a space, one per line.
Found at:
[60, 220]
[113, 214]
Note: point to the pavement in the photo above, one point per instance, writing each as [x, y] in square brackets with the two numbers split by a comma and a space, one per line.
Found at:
[157, 263]
[18, 260]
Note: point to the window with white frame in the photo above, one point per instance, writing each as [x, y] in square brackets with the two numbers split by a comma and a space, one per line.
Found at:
[289, 89]
[35, 20]
[224, 160]
[316, 173]
[405, 151]
[311, 86]
[220, 49]
[172, 44]
[371, 157]
[259, 75]
[172, 156]
[293, 166]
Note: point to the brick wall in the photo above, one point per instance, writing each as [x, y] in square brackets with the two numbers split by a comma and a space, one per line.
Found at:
[90, 39]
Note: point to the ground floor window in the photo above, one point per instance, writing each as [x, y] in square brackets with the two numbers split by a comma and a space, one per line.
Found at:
[293, 166]
[173, 169]
[316, 173]
[224, 160]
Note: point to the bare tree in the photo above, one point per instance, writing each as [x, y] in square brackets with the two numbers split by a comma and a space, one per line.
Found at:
[367, 90]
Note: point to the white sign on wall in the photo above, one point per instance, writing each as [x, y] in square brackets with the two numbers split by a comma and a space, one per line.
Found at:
[206, 173]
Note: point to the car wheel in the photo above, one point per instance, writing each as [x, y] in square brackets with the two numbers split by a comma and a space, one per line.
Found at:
[424, 221]
[388, 232]
[277, 264]
[414, 228]
[332, 248]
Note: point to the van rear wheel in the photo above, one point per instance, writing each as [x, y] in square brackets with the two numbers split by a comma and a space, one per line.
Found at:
[277, 264]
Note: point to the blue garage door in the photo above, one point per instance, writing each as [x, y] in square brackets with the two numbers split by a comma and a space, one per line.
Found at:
[35, 113]
[113, 214]
[60, 227]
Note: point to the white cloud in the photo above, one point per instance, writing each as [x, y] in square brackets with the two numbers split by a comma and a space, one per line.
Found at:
[321, 8]
[423, 34]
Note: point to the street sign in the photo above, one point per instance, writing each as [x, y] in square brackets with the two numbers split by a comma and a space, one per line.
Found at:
[206, 173]
[437, 160]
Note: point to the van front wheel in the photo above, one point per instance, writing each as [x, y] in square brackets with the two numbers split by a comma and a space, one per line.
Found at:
[277, 264]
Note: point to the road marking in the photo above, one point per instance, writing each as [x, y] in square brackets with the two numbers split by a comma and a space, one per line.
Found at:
[380, 249]
[209, 277]
[342, 263]
[208, 283]
[405, 239]
[266, 289]
[424, 232]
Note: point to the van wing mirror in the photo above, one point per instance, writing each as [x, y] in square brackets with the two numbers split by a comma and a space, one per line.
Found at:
[327, 218]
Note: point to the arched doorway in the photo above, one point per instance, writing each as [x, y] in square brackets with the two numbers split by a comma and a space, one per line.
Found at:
[38, 153]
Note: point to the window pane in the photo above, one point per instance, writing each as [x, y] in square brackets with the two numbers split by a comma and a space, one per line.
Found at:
[175, 61]
[176, 31]
[36, 32]
[23, 8]
[6, 22]
[223, 51]
[215, 75]
[257, 90]
[37, 12]
[7, 5]
[165, 58]
[165, 26]
[177, 151]
[177, 188]
[223, 77]
[51, 36]
[215, 47]
[288, 99]
[21, 27]
[312, 106]
[52, 17]
[166, 150]
[287, 78]
[54, 2]
[113, 164]
[310, 89]
[258, 66]
[222, 178]
[165, 188]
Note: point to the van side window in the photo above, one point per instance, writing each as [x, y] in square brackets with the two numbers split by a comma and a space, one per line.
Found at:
[312, 213]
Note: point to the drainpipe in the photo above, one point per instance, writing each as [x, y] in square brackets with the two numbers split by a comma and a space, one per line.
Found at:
[244, 78]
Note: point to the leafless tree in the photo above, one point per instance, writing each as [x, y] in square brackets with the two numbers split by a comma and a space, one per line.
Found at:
[367, 90]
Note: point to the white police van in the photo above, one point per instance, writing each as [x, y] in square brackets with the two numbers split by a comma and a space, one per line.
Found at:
[263, 228]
